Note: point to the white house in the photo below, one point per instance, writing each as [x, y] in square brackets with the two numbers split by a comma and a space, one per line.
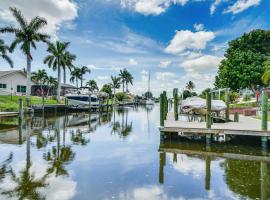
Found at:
[13, 82]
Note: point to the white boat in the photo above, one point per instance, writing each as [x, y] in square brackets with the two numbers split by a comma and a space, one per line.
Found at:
[80, 98]
[197, 105]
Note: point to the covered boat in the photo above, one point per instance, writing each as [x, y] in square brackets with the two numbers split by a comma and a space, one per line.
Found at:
[197, 105]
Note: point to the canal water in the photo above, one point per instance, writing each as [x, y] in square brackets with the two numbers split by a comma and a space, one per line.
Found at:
[120, 156]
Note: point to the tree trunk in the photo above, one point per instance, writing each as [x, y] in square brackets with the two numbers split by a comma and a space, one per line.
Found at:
[81, 81]
[126, 88]
[59, 84]
[114, 96]
[64, 72]
[28, 87]
[123, 87]
[77, 82]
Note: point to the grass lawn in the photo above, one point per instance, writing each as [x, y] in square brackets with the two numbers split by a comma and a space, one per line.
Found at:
[247, 105]
[12, 104]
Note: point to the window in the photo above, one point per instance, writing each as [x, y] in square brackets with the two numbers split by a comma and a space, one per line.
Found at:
[3, 85]
[21, 88]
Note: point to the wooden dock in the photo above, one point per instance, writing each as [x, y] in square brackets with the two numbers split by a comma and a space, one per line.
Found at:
[246, 126]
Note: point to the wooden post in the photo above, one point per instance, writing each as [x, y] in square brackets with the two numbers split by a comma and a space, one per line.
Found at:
[165, 106]
[208, 173]
[236, 117]
[263, 178]
[161, 109]
[264, 109]
[208, 112]
[175, 98]
[20, 107]
[227, 113]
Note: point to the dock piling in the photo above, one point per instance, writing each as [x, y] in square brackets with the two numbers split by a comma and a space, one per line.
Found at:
[162, 109]
[208, 112]
[264, 108]
[227, 112]
[20, 107]
[175, 97]
[236, 117]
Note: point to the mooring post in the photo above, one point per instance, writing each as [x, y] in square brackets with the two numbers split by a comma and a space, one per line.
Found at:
[20, 107]
[227, 112]
[236, 117]
[161, 110]
[208, 111]
[165, 102]
[208, 173]
[208, 117]
[264, 109]
[162, 162]
[175, 101]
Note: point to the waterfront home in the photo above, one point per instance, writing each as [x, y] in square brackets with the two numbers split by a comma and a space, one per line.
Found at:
[13, 82]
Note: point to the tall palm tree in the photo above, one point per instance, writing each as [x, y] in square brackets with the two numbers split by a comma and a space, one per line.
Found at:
[75, 75]
[190, 86]
[57, 59]
[27, 35]
[129, 80]
[115, 84]
[52, 83]
[3, 53]
[83, 71]
[69, 58]
[92, 85]
[123, 75]
[40, 77]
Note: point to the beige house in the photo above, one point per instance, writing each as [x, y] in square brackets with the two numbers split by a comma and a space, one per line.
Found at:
[13, 82]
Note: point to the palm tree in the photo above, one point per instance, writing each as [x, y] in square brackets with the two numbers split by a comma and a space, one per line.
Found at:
[40, 77]
[190, 86]
[3, 53]
[115, 84]
[57, 59]
[83, 71]
[266, 75]
[92, 85]
[27, 35]
[69, 58]
[75, 75]
[129, 80]
[123, 76]
[52, 83]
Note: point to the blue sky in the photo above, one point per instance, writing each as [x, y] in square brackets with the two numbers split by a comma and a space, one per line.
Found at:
[175, 40]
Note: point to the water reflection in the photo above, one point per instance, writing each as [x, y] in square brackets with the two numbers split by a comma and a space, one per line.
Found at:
[245, 172]
[119, 155]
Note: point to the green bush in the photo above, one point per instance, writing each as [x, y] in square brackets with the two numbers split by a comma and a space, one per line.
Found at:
[120, 96]
[246, 98]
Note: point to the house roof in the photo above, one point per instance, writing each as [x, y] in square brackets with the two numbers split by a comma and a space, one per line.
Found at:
[65, 85]
[10, 72]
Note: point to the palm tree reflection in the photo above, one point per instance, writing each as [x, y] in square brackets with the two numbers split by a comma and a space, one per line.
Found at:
[123, 129]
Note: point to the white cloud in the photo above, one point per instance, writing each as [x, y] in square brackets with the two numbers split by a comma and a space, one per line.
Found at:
[241, 5]
[102, 78]
[198, 27]
[57, 12]
[132, 62]
[205, 63]
[150, 7]
[144, 75]
[187, 40]
[165, 76]
[165, 63]
[214, 6]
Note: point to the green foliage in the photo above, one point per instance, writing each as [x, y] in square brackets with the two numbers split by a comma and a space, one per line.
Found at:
[188, 93]
[148, 94]
[92, 84]
[243, 63]
[3, 53]
[108, 89]
[190, 86]
[120, 96]
[246, 98]
[126, 78]
[203, 94]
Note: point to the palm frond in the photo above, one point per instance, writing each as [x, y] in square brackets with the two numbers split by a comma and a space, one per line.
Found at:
[19, 17]
[8, 59]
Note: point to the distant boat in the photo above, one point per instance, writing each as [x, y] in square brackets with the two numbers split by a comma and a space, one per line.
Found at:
[149, 100]
[80, 98]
